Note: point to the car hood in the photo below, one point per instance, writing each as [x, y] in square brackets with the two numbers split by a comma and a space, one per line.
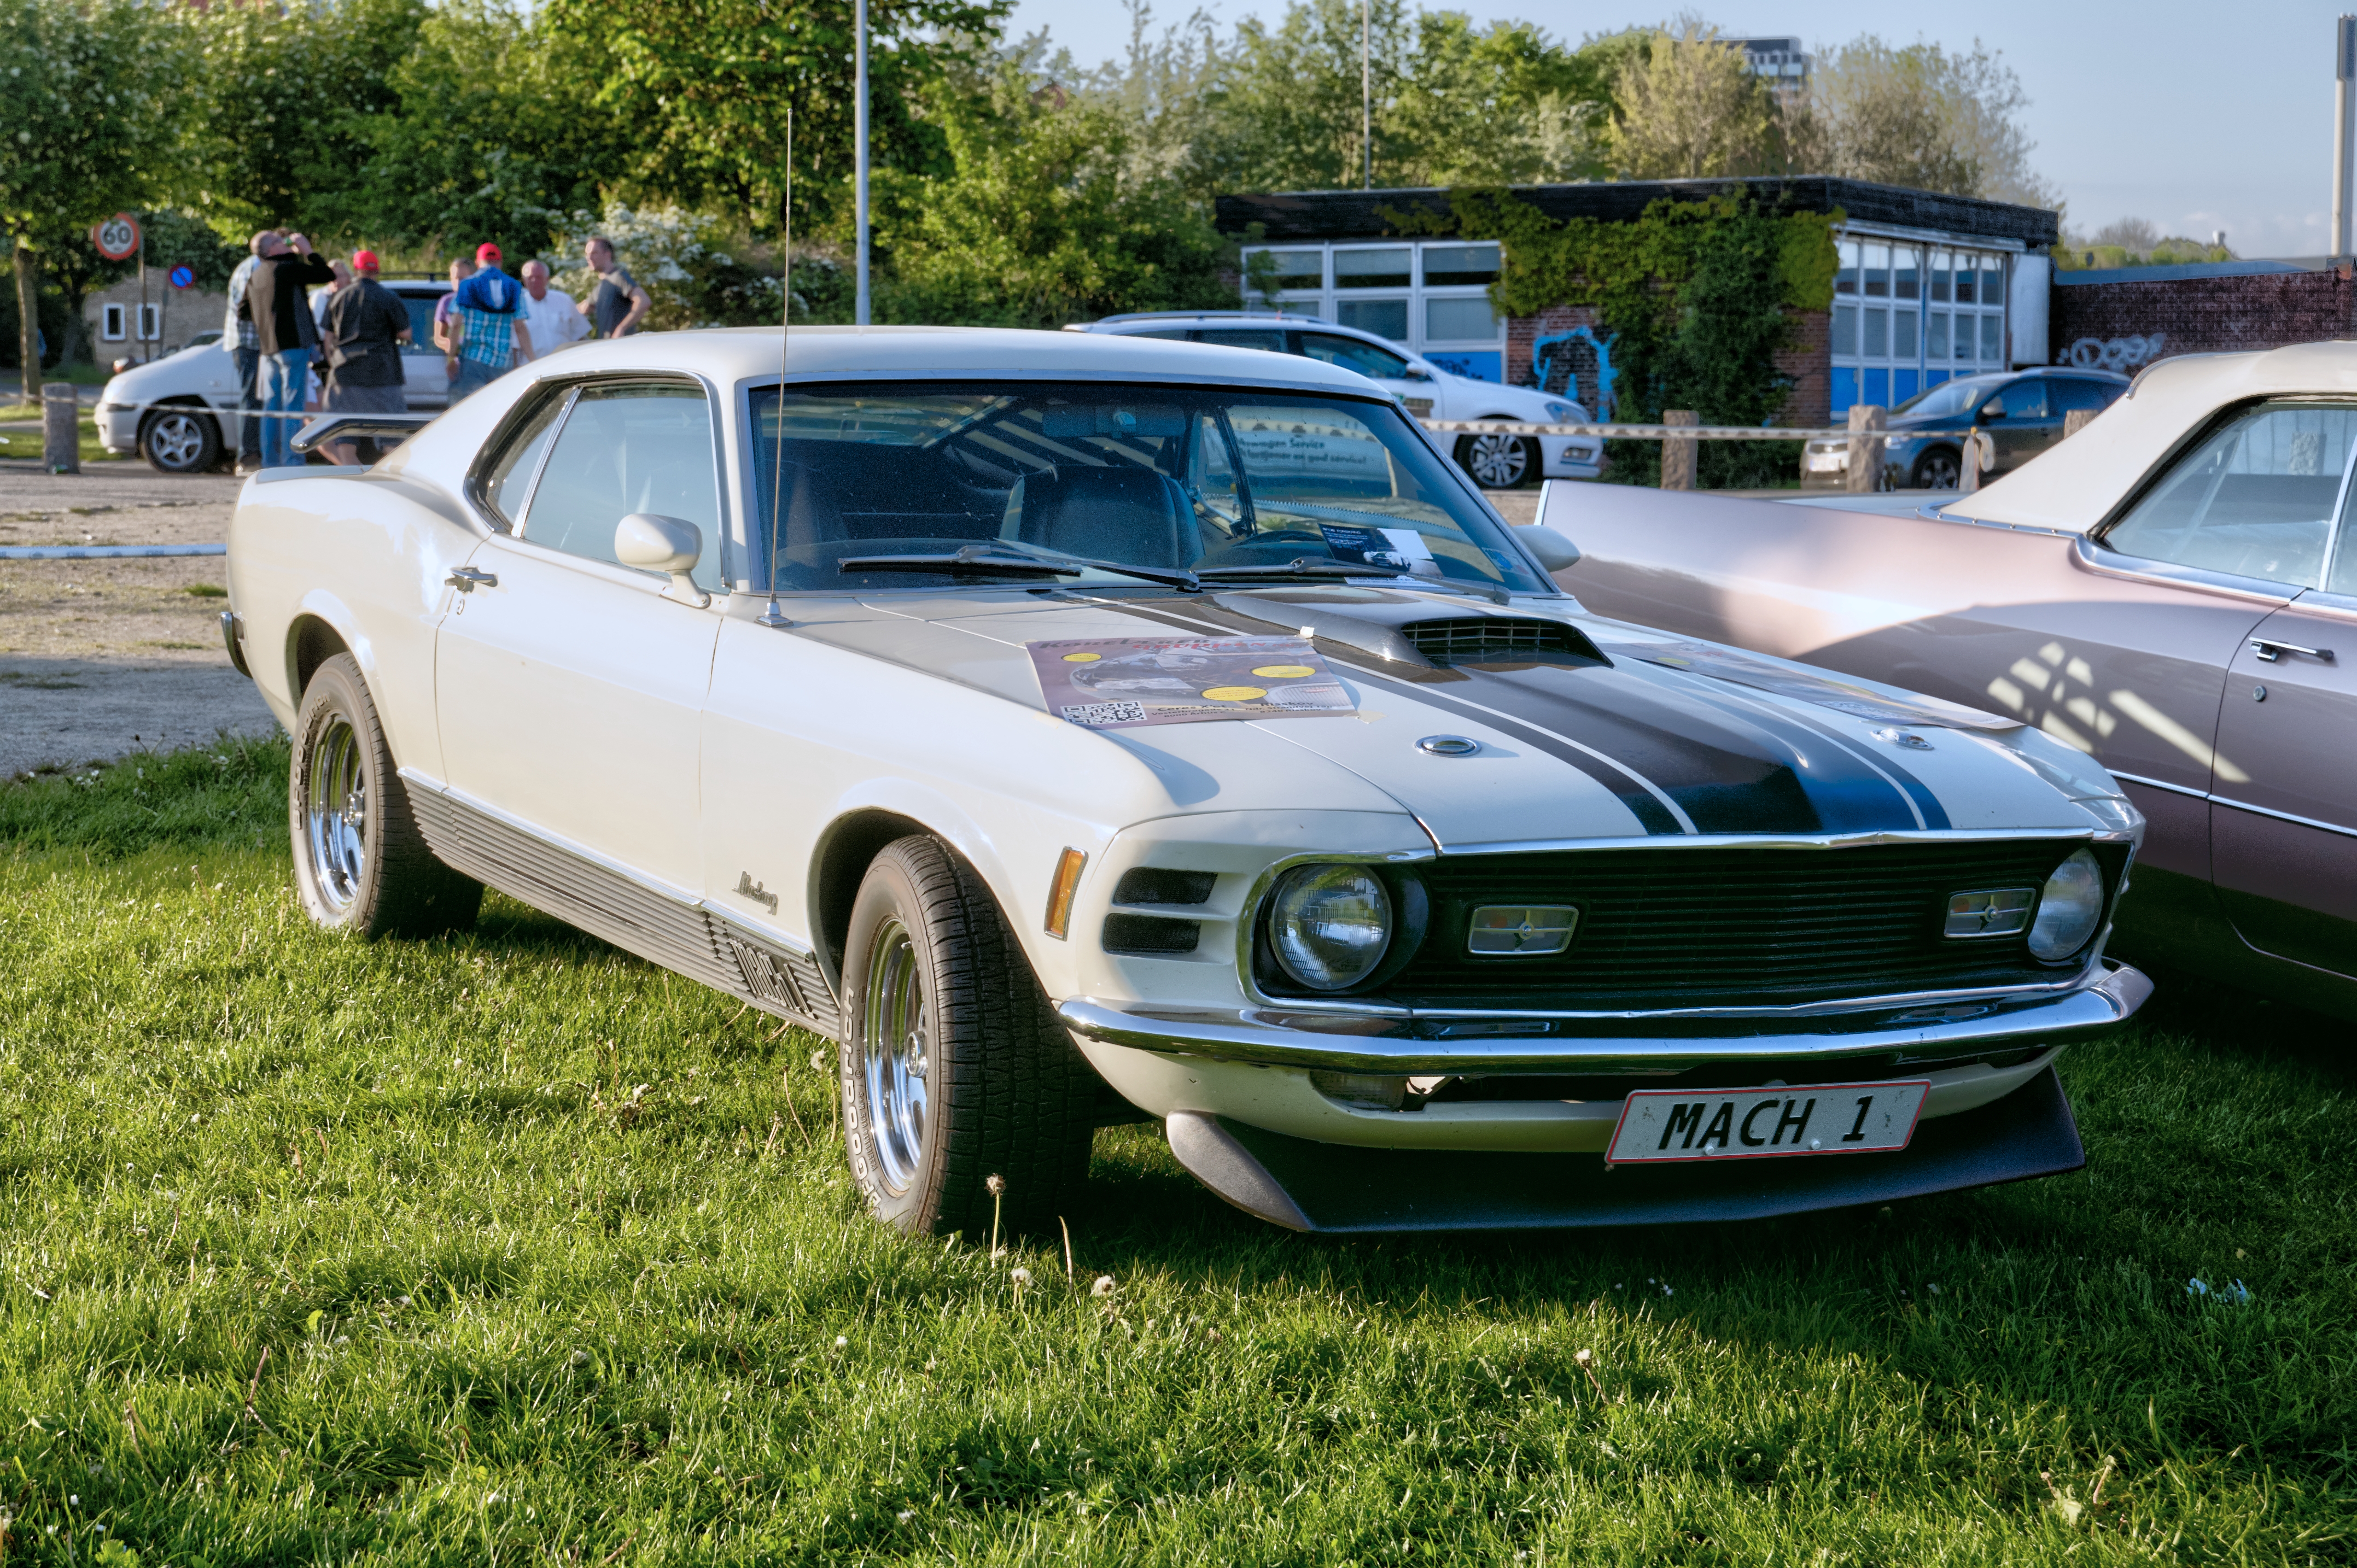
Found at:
[1635, 741]
[1523, 403]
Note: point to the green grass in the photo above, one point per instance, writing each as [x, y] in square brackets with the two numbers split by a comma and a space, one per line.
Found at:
[20, 434]
[319, 1252]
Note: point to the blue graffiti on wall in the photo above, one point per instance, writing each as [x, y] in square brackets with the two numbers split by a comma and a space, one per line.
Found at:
[1569, 349]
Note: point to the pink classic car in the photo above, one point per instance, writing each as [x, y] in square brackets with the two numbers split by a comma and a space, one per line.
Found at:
[2173, 590]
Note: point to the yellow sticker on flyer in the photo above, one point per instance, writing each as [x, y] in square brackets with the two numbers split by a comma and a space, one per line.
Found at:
[1284, 672]
[1235, 694]
[1082, 658]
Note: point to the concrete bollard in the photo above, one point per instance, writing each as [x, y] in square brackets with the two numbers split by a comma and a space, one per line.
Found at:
[1680, 456]
[1866, 421]
[1980, 457]
[60, 428]
[2075, 420]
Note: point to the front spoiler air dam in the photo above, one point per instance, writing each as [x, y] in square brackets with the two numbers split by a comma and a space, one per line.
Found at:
[1610, 1046]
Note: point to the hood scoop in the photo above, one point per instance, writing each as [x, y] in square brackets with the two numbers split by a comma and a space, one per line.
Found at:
[1501, 640]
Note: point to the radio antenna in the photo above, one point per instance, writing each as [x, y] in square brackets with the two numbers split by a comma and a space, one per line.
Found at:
[773, 616]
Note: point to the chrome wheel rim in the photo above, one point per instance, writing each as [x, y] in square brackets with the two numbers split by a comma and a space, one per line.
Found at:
[896, 1057]
[174, 441]
[335, 814]
[1499, 461]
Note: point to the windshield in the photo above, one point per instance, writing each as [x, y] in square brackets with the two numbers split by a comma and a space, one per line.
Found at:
[1950, 397]
[1153, 477]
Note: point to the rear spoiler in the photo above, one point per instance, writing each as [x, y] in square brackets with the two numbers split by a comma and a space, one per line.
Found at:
[358, 427]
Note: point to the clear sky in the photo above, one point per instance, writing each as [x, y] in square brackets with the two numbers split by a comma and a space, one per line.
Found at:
[2198, 117]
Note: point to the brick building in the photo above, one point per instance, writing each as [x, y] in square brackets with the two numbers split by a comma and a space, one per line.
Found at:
[1931, 286]
[2124, 319]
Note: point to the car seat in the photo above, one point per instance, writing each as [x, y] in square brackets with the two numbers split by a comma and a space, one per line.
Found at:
[1123, 513]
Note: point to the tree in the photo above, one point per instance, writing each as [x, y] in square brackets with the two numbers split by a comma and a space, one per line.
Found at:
[1286, 113]
[1036, 224]
[86, 114]
[1921, 117]
[284, 98]
[703, 86]
[492, 135]
[1686, 106]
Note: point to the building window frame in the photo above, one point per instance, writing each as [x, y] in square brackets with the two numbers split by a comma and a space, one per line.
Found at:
[1910, 313]
[1482, 356]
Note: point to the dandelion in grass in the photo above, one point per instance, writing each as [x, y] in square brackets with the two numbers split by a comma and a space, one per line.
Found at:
[1103, 1287]
[842, 1342]
[996, 1186]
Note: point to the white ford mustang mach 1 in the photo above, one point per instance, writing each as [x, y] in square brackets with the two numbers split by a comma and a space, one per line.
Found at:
[1079, 729]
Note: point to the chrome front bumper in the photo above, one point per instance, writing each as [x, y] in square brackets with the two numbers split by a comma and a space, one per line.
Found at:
[1458, 1045]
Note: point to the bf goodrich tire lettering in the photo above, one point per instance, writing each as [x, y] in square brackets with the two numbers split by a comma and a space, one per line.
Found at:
[952, 1068]
[360, 864]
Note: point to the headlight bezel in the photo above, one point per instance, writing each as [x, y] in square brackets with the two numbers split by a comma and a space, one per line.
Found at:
[1266, 977]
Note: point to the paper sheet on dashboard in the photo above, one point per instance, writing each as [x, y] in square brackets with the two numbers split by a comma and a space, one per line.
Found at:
[1823, 690]
[1123, 682]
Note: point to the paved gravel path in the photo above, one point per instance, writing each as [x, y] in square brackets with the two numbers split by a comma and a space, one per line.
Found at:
[99, 659]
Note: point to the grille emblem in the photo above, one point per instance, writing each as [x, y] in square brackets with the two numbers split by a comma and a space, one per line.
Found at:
[1999, 912]
[1522, 930]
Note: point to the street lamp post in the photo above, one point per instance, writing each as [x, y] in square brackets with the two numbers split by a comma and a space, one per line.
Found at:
[1367, 89]
[859, 134]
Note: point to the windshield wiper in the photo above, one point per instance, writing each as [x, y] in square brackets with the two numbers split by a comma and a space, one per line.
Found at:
[976, 562]
[1304, 567]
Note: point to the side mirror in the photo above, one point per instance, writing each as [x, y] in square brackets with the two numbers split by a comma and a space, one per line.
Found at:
[1555, 552]
[669, 544]
[1993, 409]
[1415, 373]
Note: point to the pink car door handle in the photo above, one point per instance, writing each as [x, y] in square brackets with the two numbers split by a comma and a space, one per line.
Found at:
[2268, 651]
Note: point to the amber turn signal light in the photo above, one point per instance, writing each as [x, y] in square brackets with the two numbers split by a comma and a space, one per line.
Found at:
[1060, 891]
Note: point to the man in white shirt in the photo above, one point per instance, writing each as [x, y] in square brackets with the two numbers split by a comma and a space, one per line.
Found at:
[550, 314]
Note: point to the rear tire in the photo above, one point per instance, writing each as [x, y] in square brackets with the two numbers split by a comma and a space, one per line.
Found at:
[360, 864]
[179, 440]
[1501, 462]
[953, 1068]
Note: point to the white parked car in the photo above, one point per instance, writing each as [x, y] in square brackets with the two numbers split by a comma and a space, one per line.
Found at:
[180, 412]
[1079, 729]
[1497, 462]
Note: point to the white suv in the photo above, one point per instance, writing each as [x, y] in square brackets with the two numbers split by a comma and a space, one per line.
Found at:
[180, 411]
[1496, 462]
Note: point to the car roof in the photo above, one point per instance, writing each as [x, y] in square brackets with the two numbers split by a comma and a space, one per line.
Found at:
[1220, 315]
[938, 353]
[2075, 484]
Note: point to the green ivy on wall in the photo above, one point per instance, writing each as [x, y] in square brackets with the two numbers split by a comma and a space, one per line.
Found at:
[1697, 293]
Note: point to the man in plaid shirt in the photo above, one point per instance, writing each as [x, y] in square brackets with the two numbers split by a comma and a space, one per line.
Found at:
[488, 337]
[239, 338]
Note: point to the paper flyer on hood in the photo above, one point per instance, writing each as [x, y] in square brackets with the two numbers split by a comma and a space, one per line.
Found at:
[1122, 683]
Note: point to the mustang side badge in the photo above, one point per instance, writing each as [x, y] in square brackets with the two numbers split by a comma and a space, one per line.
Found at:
[749, 889]
[1119, 682]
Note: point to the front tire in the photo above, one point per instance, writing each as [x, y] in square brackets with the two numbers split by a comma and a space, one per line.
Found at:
[1501, 462]
[360, 864]
[952, 1066]
[179, 441]
[1941, 468]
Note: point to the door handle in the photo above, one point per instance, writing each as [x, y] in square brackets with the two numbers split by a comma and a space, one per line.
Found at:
[2268, 651]
[466, 579]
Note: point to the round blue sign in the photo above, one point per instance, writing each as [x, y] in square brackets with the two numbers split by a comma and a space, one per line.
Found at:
[182, 276]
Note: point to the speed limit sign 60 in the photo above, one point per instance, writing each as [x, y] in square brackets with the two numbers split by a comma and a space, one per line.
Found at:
[117, 238]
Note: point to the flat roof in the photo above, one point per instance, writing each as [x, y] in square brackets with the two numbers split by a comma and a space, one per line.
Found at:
[1298, 215]
[2080, 277]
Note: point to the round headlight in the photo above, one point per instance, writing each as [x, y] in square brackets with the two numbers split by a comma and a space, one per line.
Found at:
[2068, 908]
[1329, 925]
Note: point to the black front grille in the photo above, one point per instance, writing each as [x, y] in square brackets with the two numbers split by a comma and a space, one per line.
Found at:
[1501, 640]
[1662, 927]
[1150, 935]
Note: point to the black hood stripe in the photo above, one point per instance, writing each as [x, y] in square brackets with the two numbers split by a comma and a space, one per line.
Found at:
[1855, 788]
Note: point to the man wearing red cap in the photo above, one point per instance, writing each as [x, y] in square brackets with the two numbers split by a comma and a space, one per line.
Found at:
[366, 325]
[488, 336]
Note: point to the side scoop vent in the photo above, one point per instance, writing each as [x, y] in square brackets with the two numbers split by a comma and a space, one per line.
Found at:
[1501, 640]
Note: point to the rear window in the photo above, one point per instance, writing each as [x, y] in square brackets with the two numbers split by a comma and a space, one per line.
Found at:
[2256, 497]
